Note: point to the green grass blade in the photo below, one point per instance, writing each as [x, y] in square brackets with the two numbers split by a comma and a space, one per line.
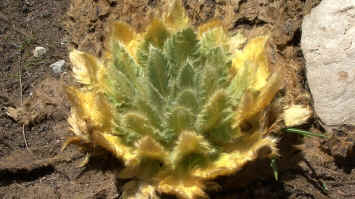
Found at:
[304, 133]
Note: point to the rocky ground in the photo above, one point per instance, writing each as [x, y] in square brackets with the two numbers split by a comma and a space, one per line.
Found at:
[33, 107]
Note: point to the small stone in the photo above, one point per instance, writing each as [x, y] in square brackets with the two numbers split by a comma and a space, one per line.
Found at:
[57, 67]
[328, 44]
[39, 51]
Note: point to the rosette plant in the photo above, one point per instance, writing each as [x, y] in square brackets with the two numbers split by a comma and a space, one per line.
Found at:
[179, 105]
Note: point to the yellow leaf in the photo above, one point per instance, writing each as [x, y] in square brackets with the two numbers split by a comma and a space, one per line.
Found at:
[87, 69]
[189, 142]
[148, 147]
[91, 107]
[254, 54]
[176, 19]
[183, 187]
[157, 33]
[78, 126]
[138, 190]
[122, 32]
[214, 23]
[238, 155]
[255, 102]
[295, 115]
[113, 143]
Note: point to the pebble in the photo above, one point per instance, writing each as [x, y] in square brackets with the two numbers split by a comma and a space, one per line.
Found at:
[39, 51]
[57, 67]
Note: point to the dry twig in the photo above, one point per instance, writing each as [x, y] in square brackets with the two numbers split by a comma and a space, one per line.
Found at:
[21, 97]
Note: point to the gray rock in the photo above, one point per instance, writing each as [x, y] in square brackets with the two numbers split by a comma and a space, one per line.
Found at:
[57, 67]
[328, 44]
[39, 51]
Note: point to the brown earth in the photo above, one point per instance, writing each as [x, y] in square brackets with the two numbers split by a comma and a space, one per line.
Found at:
[31, 136]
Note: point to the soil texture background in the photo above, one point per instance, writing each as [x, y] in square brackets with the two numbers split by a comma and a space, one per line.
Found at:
[32, 164]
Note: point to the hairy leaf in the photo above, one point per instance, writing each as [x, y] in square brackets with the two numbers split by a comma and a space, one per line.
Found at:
[213, 111]
[157, 70]
[180, 47]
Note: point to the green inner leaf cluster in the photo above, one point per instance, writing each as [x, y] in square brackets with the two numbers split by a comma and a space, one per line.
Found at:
[179, 84]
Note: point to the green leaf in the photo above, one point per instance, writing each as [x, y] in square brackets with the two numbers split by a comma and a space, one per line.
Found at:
[143, 53]
[138, 123]
[166, 137]
[123, 62]
[156, 36]
[179, 119]
[239, 84]
[128, 136]
[208, 82]
[188, 98]
[180, 47]
[214, 75]
[150, 111]
[186, 76]
[213, 112]
[218, 58]
[221, 134]
[157, 70]
[210, 40]
[155, 97]
[122, 89]
[192, 161]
